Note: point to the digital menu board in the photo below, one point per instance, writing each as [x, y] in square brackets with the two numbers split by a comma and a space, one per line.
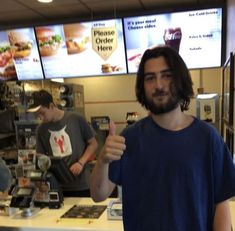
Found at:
[196, 35]
[82, 49]
[25, 54]
[7, 67]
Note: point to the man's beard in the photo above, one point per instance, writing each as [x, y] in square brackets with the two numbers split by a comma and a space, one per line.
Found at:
[161, 108]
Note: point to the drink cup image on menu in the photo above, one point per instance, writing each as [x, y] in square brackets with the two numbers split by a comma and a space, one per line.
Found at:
[172, 37]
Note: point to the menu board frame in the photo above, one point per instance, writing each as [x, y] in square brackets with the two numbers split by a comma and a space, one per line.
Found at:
[88, 59]
[144, 25]
[111, 69]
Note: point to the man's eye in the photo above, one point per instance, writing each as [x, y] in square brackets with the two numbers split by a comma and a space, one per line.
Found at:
[167, 75]
[149, 78]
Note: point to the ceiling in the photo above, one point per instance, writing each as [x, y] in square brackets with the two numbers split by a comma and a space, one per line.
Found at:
[17, 13]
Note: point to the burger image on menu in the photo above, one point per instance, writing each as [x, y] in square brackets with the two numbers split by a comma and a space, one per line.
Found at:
[7, 68]
[21, 45]
[77, 38]
[48, 41]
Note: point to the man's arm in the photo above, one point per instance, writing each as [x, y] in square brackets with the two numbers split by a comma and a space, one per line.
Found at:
[89, 152]
[222, 219]
[100, 185]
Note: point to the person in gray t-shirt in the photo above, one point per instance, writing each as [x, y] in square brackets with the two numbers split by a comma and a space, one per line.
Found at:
[65, 135]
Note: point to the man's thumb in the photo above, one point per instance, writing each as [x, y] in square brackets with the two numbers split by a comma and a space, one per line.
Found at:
[112, 128]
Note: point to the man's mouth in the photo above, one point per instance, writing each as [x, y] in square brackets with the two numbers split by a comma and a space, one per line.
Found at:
[159, 94]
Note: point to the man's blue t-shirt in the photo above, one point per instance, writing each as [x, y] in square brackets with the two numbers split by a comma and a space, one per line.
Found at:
[172, 180]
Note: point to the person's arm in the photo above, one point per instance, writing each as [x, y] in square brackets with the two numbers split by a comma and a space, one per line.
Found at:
[100, 185]
[89, 152]
[222, 218]
[91, 143]
[5, 176]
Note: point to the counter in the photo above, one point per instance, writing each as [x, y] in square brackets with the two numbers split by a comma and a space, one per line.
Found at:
[49, 219]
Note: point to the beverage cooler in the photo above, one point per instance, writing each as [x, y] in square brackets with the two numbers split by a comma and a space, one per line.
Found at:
[71, 98]
[208, 108]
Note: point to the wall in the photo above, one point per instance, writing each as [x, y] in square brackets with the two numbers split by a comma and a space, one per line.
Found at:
[115, 95]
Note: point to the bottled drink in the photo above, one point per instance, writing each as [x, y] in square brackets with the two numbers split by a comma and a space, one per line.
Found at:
[172, 37]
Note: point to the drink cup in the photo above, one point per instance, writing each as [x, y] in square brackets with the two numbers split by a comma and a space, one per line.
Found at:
[172, 37]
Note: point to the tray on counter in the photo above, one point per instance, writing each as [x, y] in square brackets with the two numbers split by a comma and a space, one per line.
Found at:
[85, 211]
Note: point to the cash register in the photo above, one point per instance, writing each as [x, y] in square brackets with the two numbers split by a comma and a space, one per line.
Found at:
[41, 190]
[22, 198]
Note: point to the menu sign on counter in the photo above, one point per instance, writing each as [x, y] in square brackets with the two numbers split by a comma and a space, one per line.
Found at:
[196, 35]
[82, 49]
[25, 54]
[7, 67]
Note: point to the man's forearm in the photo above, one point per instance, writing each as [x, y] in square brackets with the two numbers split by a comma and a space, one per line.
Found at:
[100, 185]
[89, 152]
[222, 219]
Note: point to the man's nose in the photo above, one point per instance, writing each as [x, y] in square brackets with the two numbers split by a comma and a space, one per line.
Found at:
[158, 82]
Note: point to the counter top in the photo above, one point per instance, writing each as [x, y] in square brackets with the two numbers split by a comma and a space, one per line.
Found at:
[49, 219]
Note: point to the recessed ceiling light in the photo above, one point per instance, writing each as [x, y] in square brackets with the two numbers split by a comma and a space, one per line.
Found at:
[45, 1]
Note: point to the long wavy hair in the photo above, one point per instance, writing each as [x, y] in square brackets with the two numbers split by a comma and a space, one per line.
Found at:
[181, 79]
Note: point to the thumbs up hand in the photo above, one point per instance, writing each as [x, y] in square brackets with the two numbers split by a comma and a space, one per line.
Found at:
[114, 146]
[112, 128]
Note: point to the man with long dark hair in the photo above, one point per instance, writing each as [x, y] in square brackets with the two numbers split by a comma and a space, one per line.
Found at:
[176, 172]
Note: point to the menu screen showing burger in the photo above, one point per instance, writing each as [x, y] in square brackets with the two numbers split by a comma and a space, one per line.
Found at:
[25, 54]
[196, 35]
[7, 67]
[82, 49]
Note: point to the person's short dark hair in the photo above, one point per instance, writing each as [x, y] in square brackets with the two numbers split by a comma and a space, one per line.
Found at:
[182, 81]
[40, 98]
